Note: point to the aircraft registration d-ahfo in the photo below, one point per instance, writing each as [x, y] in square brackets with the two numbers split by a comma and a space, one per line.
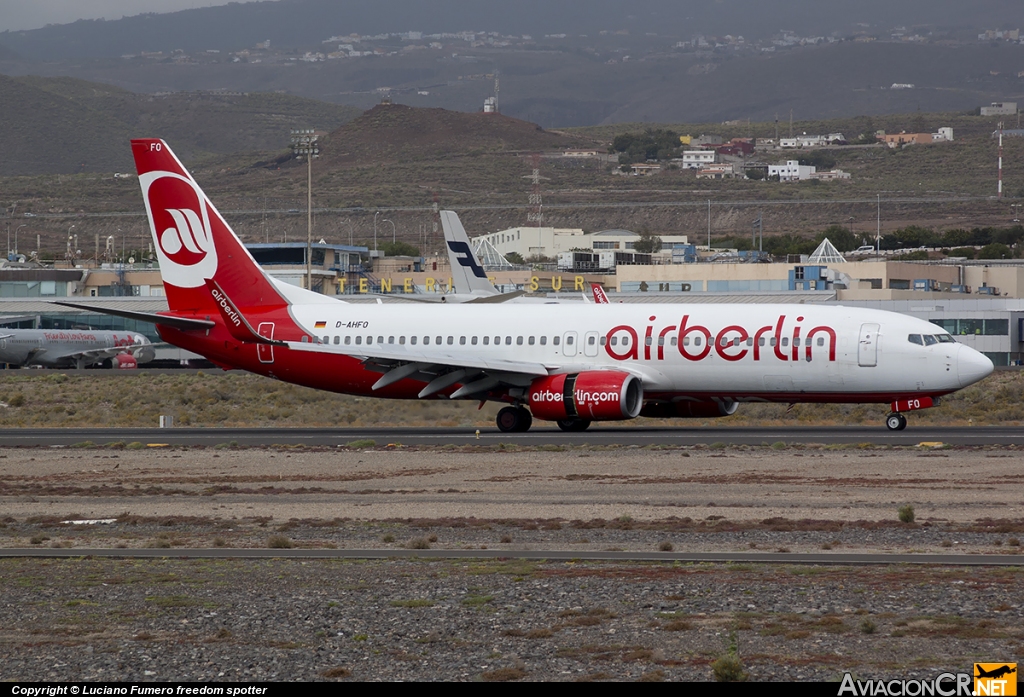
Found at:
[571, 363]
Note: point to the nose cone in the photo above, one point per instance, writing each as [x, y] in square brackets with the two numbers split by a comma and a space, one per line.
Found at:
[972, 366]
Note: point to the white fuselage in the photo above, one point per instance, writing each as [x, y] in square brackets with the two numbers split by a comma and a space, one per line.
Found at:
[824, 353]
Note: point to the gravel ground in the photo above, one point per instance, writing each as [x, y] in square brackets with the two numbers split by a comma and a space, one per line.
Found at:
[109, 619]
[444, 620]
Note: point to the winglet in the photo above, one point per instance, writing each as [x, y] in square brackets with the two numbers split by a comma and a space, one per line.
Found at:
[238, 326]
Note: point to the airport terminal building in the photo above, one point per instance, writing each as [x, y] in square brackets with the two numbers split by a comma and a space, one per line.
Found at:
[980, 303]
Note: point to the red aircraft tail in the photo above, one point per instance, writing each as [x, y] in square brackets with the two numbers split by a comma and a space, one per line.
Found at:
[193, 242]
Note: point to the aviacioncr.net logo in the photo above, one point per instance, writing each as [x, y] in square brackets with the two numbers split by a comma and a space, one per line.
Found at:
[180, 220]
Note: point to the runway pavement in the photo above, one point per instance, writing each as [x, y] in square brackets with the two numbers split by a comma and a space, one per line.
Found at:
[597, 435]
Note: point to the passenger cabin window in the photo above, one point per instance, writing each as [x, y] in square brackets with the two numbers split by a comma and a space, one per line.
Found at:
[474, 341]
[401, 340]
[487, 341]
[519, 341]
[359, 340]
[543, 341]
[451, 340]
[348, 340]
[412, 340]
[337, 340]
[568, 340]
[555, 340]
[462, 341]
[532, 341]
[508, 340]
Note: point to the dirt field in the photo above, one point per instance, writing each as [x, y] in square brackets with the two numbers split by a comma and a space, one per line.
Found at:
[709, 496]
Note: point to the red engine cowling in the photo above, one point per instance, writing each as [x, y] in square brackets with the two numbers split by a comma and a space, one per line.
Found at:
[689, 410]
[597, 395]
[124, 361]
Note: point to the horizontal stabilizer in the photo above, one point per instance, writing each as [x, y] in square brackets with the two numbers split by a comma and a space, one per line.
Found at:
[183, 323]
[499, 298]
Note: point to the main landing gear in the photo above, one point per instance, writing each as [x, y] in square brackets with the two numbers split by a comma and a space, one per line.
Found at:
[896, 422]
[514, 420]
[573, 425]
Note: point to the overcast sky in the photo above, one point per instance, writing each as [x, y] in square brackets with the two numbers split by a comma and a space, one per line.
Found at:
[32, 14]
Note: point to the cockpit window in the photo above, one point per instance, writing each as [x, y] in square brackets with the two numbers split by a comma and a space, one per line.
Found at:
[930, 340]
[945, 339]
[915, 339]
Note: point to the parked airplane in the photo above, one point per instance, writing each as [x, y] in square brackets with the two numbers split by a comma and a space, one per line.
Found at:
[569, 363]
[73, 348]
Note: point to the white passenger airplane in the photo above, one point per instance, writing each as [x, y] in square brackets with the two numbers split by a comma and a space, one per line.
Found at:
[73, 348]
[569, 363]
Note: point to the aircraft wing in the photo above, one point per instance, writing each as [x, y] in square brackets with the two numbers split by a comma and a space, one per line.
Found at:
[439, 368]
[99, 354]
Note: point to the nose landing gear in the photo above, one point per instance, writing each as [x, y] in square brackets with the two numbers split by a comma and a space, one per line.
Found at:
[896, 422]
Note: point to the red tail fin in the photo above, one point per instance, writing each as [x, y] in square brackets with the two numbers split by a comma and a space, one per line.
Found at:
[599, 295]
[193, 242]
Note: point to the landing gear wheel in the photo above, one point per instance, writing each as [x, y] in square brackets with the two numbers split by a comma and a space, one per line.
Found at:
[896, 422]
[573, 425]
[514, 420]
[525, 420]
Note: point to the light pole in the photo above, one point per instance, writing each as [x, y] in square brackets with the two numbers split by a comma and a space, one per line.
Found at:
[375, 230]
[304, 143]
[69, 253]
[16, 238]
[394, 235]
[350, 232]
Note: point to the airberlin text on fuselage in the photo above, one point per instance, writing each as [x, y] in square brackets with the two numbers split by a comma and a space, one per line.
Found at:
[779, 340]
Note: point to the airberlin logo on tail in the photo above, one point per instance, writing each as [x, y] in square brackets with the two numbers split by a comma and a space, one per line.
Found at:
[179, 218]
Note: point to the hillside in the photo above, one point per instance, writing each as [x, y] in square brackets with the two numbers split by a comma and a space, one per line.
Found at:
[64, 125]
[399, 161]
[44, 132]
[398, 132]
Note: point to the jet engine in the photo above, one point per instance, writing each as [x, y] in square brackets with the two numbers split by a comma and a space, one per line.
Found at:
[690, 410]
[596, 395]
[124, 361]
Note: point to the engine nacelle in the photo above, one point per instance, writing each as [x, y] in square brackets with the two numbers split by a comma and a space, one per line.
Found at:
[689, 410]
[124, 361]
[596, 395]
